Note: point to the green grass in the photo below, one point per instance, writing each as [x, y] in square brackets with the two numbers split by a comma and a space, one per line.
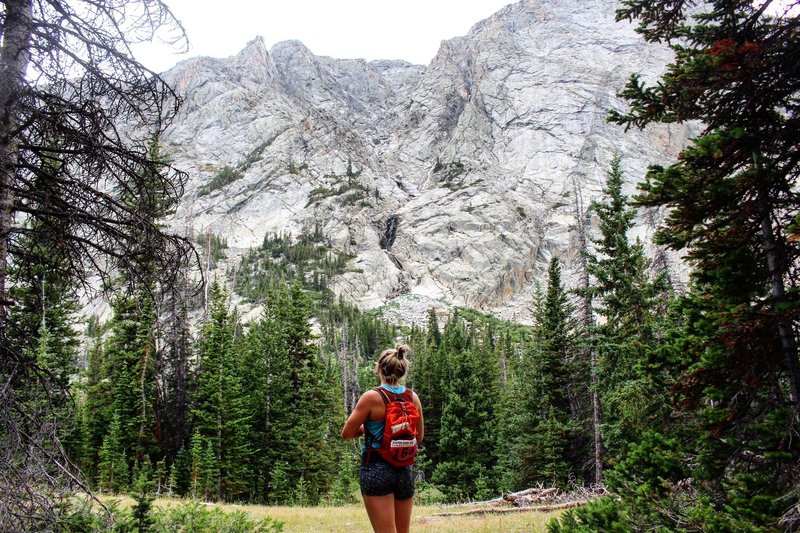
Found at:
[353, 518]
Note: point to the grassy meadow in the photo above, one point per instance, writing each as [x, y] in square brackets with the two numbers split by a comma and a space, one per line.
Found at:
[353, 518]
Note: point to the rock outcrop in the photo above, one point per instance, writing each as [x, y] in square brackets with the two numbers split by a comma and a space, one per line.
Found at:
[454, 182]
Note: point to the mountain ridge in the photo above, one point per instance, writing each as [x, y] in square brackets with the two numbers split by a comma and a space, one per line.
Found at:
[475, 159]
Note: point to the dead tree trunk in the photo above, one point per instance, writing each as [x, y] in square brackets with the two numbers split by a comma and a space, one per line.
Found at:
[14, 56]
[778, 291]
[587, 323]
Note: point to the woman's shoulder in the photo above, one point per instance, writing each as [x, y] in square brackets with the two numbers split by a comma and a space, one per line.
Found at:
[415, 397]
[371, 395]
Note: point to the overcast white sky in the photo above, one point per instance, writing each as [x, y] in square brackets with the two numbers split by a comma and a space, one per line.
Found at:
[344, 29]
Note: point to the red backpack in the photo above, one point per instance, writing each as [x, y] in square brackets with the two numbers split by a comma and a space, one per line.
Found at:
[399, 442]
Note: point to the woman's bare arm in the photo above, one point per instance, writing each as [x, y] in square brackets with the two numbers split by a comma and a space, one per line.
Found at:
[354, 427]
[421, 422]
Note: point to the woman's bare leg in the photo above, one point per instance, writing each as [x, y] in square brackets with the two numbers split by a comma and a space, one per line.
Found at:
[402, 514]
[380, 510]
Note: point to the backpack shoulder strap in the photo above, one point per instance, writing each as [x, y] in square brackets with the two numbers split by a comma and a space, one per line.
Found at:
[383, 393]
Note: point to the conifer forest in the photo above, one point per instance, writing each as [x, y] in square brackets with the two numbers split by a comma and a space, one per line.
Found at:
[681, 401]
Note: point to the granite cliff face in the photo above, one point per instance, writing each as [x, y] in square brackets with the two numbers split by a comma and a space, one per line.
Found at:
[451, 183]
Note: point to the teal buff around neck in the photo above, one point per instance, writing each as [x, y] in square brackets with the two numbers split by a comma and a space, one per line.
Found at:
[399, 389]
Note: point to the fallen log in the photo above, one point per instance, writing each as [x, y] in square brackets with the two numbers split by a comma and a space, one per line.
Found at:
[514, 495]
[511, 497]
[543, 496]
[502, 510]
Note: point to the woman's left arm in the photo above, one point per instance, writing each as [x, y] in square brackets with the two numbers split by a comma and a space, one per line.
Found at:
[421, 421]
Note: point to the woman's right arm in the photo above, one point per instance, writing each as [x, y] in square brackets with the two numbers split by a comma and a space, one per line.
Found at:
[354, 427]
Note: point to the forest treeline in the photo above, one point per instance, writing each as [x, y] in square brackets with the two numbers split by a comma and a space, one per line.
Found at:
[251, 412]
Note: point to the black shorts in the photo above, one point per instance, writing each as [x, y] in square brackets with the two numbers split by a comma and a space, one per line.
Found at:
[379, 478]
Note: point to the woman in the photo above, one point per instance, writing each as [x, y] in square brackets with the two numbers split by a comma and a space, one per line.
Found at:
[387, 490]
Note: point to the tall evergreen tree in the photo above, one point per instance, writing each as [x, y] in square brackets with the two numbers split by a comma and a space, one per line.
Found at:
[220, 409]
[544, 443]
[128, 365]
[428, 379]
[267, 379]
[626, 299]
[46, 306]
[730, 460]
[294, 398]
[316, 391]
[557, 434]
[181, 473]
[468, 418]
[113, 468]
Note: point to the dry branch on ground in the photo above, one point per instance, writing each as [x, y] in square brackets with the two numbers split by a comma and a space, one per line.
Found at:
[532, 499]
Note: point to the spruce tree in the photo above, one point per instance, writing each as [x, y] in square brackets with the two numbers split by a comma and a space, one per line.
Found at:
[143, 496]
[128, 365]
[468, 418]
[280, 492]
[428, 380]
[196, 468]
[220, 405]
[556, 434]
[45, 311]
[268, 380]
[113, 467]
[626, 298]
[315, 449]
[544, 444]
[728, 460]
[181, 473]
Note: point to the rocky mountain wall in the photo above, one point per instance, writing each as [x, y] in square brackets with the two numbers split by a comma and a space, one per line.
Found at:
[451, 183]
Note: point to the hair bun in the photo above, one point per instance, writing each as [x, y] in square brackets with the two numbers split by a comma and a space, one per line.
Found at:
[402, 350]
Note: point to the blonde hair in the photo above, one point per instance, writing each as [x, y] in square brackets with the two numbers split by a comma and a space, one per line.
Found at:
[393, 364]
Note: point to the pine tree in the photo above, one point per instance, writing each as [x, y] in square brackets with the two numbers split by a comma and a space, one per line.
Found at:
[45, 312]
[113, 467]
[204, 468]
[268, 380]
[39, 330]
[544, 443]
[315, 448]
[557, 433]
[209, 472]
[728, 459]
[346, 481]
[468, 419]
[181, 473]
[128, 364]
[626, 299]
[143, 496]
[220, 408]
[509, 446]
[428, 378]
[280, 492]
[196, 468]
